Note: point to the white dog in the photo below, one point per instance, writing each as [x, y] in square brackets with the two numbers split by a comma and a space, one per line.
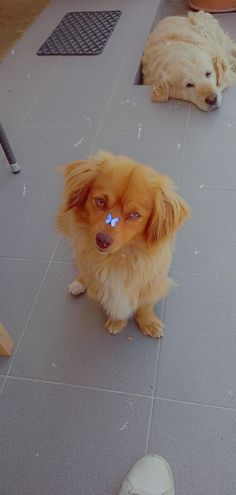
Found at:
[189, 58]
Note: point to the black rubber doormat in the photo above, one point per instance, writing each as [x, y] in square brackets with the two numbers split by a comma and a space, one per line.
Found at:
[81, 33]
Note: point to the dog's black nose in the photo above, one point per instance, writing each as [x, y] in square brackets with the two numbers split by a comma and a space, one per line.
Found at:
[103, 240]
[211, 100]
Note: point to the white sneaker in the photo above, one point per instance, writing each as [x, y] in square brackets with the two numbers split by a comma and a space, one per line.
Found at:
[151, 475]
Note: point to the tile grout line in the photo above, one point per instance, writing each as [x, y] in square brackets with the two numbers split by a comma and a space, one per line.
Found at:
[13, 258]
[119, 128]
[186, 133]
[35, 259]
[51, 126]
[29, 315]
[207, 274]
[145, 128]
[214, 129]
[192, 403]
[119, 392]
[157, 362]
[219, 189]
[164, 308]
[80, 387]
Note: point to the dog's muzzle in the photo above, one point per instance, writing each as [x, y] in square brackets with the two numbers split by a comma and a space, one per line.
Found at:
[212, 100]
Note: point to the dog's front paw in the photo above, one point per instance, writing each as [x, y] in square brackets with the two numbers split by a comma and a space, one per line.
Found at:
[152, 326]
[115, 326]
[76, 288]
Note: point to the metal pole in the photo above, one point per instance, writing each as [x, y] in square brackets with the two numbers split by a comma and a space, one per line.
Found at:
[8, 151]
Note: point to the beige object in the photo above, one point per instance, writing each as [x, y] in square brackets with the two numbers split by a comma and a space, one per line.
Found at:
[6, 342]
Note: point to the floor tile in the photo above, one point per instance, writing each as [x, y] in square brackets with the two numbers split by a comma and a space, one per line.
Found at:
[207, 243]
[26, 68]
[227, 22]
[132, 108]
[221, 118]
[78, 441]
[65, 107]
[10, 131]
[162, 149]
[197, 361]
[66, 342]
[206, 165]
[64, 251]
[20, 281]
[27, 223]
[198, 443]
[41, 150]
[15, 102]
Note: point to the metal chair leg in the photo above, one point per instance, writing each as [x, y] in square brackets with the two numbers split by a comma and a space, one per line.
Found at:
[8, 151]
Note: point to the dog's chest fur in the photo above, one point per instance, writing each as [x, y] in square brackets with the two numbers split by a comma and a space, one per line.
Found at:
[120, 280]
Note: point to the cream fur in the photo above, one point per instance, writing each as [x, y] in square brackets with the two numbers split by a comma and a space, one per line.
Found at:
[182, 50]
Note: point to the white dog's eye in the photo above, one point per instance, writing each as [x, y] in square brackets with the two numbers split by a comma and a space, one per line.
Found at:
[190, 85]
[133, 216]
[208, 74]
[100, 202]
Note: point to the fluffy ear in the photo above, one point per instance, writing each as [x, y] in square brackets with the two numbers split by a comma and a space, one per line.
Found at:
[168, 214]
[220, 67]
[161, 91]
[78, 179]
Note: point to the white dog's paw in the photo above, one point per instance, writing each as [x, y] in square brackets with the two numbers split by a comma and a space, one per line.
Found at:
[76, 288]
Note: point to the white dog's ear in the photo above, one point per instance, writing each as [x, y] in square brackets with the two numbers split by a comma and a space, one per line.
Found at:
[161, 91]
[220, 67]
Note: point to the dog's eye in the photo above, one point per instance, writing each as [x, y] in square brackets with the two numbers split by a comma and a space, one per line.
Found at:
[100, 202]
[190, 85]
[208, 74]
[133, 216]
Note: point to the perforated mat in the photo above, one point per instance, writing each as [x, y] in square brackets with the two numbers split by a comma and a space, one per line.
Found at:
[81, 33]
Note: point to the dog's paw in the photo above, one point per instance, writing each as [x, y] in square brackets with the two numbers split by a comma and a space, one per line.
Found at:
[76, 288]
[152, 326]
[115, 326]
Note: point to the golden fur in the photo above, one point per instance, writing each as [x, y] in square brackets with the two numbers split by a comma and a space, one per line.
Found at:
[129, 276]
[191, 50]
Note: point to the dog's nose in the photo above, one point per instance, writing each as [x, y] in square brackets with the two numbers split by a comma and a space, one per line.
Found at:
[103, 240]
[211, 100]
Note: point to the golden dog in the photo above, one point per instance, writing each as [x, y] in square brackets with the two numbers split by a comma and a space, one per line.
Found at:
[189, 58]
[121, 218]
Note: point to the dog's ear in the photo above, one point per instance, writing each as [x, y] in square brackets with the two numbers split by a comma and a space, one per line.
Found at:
[78, 178]
[168, 213]
[161, 91]
[220, 67]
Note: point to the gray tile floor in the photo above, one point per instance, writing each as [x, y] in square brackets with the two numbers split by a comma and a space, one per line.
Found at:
[78, 407]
